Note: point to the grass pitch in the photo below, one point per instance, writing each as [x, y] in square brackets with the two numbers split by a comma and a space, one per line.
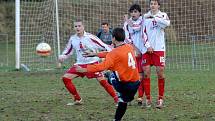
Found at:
[41, 96]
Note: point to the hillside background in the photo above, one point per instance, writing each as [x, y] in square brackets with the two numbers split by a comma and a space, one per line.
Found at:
[185, 16]
[7, 19]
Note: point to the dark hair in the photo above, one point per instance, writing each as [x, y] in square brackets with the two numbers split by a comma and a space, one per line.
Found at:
[105, 23]
[119, 34]
[159, 3]
[135, 7]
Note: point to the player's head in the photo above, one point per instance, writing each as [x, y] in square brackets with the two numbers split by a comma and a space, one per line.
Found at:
[79, 27]
[118, 35]
[105, 27]
[154, 5]
[135, 11]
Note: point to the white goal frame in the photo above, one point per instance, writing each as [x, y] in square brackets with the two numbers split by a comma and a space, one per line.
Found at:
[18, 63]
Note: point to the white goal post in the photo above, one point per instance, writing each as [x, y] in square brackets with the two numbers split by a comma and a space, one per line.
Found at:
[36, 21]
[190, 40]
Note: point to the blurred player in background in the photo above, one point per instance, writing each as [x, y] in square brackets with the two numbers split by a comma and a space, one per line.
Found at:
[125, 77]
[135, 36]
[105, 33]
[81, 42]
[155, 23]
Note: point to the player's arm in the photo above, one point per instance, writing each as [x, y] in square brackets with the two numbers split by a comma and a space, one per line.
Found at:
[93, 54]
[162, 20]
[137, 51]
[145, 39]
[127, 34]
[68, 50]
[99, 44]
[106, 64]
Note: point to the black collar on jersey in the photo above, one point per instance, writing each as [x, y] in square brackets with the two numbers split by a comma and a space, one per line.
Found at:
[119, 45]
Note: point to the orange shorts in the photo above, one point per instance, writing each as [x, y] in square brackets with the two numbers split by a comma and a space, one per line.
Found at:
[72, 70]
[157, 58]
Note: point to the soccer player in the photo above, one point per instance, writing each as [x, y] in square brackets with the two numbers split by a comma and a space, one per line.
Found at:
[125, 77]
[105, 33]
[155, 23]
[81, 42]
[135, 36]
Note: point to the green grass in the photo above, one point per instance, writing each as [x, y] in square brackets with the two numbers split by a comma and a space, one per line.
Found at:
[42, 96]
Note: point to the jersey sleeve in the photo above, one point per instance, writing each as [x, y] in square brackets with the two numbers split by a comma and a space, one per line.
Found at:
[99, 44]
[145, 37]
[162, 20]
[102, 54]
[127, 34]
[68, 50]
[106, 64]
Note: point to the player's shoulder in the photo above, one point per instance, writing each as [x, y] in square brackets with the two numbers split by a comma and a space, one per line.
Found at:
[91, 36]
[162, 13]
[146, 14]
[72, 37]
[121, 49]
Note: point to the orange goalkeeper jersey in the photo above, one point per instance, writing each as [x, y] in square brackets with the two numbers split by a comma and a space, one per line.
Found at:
[121, 60]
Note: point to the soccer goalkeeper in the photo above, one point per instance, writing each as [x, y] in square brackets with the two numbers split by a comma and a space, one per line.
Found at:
[125, 78]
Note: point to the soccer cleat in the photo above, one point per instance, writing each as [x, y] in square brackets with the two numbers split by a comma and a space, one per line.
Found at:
[159, 104]
[76, 102]
[140, 101]
[148, 103]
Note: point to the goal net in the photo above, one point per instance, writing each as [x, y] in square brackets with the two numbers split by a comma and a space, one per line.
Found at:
[190, 40]
[37, 24]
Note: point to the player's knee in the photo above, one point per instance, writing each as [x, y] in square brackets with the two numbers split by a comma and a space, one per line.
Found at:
[65, 80]
[160, 76]
[146, 74]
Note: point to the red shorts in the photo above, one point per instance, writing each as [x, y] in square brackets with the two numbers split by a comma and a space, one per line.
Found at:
[157, 58]
[72, 70]
[139, 64]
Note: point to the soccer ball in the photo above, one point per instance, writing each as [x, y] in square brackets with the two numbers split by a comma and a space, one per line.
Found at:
[43, 49]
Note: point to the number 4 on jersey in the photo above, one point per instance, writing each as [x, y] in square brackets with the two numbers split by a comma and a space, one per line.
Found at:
[131, 61]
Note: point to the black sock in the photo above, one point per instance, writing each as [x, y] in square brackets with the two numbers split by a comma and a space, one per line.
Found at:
[120, 111]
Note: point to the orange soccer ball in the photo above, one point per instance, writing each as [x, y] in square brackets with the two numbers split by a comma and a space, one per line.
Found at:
[43, 49]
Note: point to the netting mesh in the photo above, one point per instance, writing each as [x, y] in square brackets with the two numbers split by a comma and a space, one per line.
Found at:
[37, 25]
[190, 39]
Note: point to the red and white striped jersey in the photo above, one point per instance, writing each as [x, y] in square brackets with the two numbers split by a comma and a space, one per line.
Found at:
[81, 44]
[133, 33]
[154, 27]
